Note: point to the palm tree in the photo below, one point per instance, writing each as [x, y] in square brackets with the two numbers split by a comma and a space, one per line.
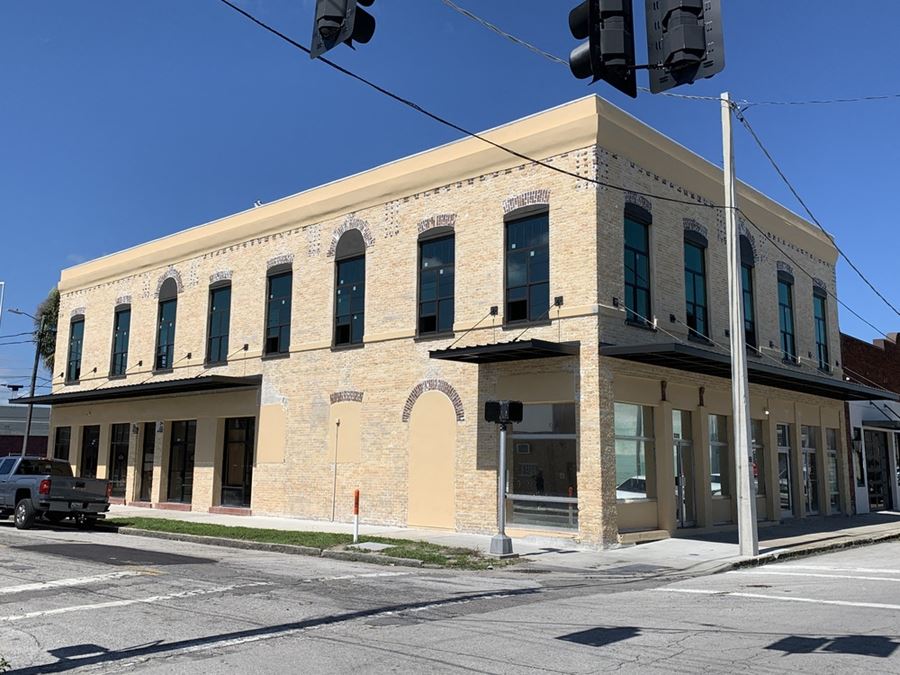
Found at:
[48, 310]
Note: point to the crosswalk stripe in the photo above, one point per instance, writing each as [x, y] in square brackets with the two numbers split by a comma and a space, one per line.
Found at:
[76, 581]
[784, 598]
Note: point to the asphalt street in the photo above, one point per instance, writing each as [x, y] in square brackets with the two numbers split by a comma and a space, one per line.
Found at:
[102, 602]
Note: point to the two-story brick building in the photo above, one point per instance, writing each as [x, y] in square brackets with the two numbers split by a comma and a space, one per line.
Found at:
[348, 336]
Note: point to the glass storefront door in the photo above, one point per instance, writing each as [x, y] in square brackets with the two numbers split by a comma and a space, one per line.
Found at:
[181, 461]
[90, 451]
[684, 468]
[147, 450]
[542, 466]
[785, 489]
[118, 458]
[878, 470]
[809, 440]
[237, 472]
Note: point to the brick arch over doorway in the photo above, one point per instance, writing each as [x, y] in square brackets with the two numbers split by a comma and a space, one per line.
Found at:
[434, 385]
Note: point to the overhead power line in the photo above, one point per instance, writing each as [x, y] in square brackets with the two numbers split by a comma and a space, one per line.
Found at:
[743, 120]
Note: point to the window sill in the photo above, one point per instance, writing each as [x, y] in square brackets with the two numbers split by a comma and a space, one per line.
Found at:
[274, 356]
[426, 337]
[71, 383]
[643, 325]
[754, 351]
[162, 371]
[214, 364]
[348, 347]
[693, 337]
[637, 500]
[514, 325]
[826, 370]
[116, 377]
[791, 362]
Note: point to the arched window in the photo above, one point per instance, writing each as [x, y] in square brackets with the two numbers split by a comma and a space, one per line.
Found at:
[165, 332]
[350, 289]
[820, 316]
[695, 295]
[637, 265]
[279, 283]
[748, 261]
[76, 341]
[218, 322]
[527, 265]
[436, 284]
[786, 316]
[121, 330]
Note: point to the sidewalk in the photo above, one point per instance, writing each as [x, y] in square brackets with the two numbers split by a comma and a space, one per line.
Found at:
[685, 555]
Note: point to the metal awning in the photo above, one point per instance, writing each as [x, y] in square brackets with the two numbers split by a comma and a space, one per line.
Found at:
[698, 360]
[882, 424]
[192, 385]
[500, 352]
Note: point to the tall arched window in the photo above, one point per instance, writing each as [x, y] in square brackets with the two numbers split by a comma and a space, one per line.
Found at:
[695, 295]
[748, 261]
[279, 283]
[165, 332]
[218, 322]
[786, 316]
[637, 265]
[436, 287]
[527, 265]
[76, 340]
[350, 289]
[121, 330]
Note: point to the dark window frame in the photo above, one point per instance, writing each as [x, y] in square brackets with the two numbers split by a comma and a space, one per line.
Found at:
[164, 354]
[820, 299]
[217, 344]
[76, 348]
[437, 235]
[62, 447]
[531, 318]
[644, 219]
[748, 263]
[282, 344]
[118, 361]
[788, 335]
[119, 437]
[699, 242]
[351, 248]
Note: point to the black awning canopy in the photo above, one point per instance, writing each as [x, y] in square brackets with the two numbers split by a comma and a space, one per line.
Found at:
[706, 362]
[882, 424]
[517, 350]
[192, 385]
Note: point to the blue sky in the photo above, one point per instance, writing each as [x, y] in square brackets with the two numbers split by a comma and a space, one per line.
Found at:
[126, 121]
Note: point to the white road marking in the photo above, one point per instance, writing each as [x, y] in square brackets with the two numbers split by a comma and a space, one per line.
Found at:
[786, 598]
[822, 568]
[368, 575]
[136, 601]
[76, 581]
[815, 575]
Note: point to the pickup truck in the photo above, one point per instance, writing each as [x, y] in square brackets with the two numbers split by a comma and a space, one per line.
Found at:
[33, 487]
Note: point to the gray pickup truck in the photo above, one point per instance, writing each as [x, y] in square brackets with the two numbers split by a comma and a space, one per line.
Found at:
[33, 487]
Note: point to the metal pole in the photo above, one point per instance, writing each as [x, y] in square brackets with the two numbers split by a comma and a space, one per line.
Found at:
[2, 291]
[337, 430]
[740, 389]
[34, 369]
[356, 516]
[501, 545]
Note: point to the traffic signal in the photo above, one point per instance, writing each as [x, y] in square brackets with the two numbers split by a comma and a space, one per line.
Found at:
[685, 37]
[340, 21]
[608, 53]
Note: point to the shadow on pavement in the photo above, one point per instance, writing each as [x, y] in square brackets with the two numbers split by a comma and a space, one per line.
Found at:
[857, 645]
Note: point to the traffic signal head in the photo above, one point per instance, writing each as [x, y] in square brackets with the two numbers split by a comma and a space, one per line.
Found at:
[340, 21]
[503, 412]
[684, 37]
[608, 54]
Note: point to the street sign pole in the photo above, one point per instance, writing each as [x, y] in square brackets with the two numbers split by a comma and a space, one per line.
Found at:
[501, 544]
[740, 389]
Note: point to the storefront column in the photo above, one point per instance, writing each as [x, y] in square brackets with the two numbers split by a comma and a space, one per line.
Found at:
[131, 471]
[797, 465]
[701, 467]
[597, 490]
[75, 448]
[845, 480]
[160, 463]
[103, 452]
[822, 467]
[204, 464]
[665, 467]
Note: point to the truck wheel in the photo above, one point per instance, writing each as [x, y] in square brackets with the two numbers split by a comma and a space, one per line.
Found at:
[55, 517]
[24, 515]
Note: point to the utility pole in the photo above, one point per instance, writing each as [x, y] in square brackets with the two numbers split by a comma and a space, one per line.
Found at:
[34, 369]
[740, 389]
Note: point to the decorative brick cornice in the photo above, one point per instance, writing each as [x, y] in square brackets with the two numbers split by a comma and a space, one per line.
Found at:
[434, 385]
[77, 311]
[694, 226]
[123, 300]
[341, 396]
[351, 222]
[784, 267]
[819, 283]
[170, 273]
[221, 275]
[638, 200]
[530, 198]
[439, 220]
[284, 259]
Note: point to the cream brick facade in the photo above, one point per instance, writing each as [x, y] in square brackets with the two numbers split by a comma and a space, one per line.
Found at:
[470, 187]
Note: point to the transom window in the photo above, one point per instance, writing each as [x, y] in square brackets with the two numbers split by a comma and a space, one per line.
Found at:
[76, 341]
[218, 324]
[436, 285]
[278, 312]
[786, 316]
[527, 268]
[695, 285]
[820, 312]
[637, 265]
[121, 329]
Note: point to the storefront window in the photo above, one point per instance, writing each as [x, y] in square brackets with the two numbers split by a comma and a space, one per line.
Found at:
[834, 490]
[759, 456]
[543, 470]
[719, 456]
[809, 443]
[635, 457]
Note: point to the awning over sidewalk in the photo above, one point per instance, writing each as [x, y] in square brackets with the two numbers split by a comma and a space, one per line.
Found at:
[517, 350]
[706, 362]
[191, 385]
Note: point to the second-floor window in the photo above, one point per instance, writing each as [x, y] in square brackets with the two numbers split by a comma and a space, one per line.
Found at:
[528, 268]
[165, 331]
[786, 316]
[218, 323]
[278, 311]
[820, 312]
[76, 341]
[637, 265]
[436, 260]
[121, 330]
[350, 289]
[695, 284]
[747, 263]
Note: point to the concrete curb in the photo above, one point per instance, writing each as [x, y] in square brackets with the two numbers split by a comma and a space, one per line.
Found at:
[274, 548]
[815, 549]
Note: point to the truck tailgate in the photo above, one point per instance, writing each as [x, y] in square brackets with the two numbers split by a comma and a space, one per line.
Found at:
[77, 489]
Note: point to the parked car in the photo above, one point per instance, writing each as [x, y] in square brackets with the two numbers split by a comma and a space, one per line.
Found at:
[33, 487]
[632, 488]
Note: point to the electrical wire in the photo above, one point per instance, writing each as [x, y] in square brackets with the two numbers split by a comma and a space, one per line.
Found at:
[441, 120]
[745, 122]
[12, 335]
